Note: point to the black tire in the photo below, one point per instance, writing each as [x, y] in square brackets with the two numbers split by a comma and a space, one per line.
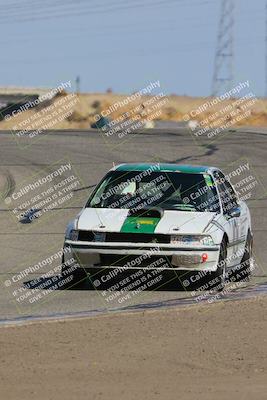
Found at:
[242, 272]
[220, 275]
[78, 275]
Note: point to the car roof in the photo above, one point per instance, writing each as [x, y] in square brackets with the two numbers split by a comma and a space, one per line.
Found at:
[188, 169]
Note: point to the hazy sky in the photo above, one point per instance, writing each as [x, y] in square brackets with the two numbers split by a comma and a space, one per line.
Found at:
[123, 44]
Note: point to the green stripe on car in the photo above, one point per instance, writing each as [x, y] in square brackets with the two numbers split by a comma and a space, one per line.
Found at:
[140, 225]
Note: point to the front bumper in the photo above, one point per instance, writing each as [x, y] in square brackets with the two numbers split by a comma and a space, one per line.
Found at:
[90, 255]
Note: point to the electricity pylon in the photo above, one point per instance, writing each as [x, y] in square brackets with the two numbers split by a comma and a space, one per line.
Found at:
[224, 69]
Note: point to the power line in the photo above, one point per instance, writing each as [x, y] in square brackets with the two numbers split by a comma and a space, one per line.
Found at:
[98, 9]
[138, 27]
[30, 7]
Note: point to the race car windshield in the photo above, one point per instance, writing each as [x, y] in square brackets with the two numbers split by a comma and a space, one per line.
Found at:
[136, 190]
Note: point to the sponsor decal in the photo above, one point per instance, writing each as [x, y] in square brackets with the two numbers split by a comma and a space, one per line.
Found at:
[143, 225]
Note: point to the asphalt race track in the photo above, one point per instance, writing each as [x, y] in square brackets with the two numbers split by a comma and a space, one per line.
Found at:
[92, 155]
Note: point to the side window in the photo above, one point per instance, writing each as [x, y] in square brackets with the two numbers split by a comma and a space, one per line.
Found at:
[231, 192]
[226, 192]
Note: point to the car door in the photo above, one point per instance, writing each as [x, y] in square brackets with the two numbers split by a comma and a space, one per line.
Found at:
[241, 221]
[230, 225]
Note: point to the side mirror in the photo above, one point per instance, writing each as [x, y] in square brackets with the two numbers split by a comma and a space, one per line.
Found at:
[235, 212]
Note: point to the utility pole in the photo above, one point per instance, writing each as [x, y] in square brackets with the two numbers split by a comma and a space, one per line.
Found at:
[78, 80]
[223, 69]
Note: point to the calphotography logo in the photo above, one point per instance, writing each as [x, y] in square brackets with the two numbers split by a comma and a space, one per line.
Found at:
[131, 114]
[213, 119]
[41, 194]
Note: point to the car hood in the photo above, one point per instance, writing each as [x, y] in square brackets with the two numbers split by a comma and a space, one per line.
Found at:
[117, 220]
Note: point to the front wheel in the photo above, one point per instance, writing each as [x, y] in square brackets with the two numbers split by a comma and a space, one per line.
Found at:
[219, 276]
[242, 272]
[78, 274]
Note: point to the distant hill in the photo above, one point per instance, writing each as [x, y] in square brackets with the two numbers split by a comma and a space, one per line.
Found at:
[80, 110]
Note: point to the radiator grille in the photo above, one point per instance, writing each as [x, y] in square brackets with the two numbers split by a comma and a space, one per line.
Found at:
[120, 237]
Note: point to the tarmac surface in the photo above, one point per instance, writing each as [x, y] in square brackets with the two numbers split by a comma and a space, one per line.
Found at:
[91, 155]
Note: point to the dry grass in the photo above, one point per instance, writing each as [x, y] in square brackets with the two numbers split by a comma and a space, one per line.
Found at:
[82, 113]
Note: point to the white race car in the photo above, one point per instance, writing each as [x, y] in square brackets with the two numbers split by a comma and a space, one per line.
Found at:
[189, 216]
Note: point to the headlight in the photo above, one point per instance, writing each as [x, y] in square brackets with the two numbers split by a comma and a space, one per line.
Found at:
[192, 240]
[74, 235]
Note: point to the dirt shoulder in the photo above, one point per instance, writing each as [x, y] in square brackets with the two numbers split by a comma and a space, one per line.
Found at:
[206, 352]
